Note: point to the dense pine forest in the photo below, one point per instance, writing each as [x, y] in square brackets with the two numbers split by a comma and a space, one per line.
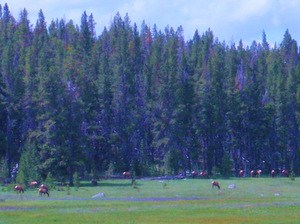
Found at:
[143, 100]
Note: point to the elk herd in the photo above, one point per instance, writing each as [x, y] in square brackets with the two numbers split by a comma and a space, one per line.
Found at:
[43, 188]
[242, 173]
[258, 173]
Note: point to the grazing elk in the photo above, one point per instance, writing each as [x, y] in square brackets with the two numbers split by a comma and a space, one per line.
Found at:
[33, 184]
[215, 184]
[126, 174]
[241, 173]
[285, 173]
[43, 191]
[19, 189]
[272, 173]
[194, 174]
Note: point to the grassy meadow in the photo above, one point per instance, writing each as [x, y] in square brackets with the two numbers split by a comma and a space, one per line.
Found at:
[253, 200]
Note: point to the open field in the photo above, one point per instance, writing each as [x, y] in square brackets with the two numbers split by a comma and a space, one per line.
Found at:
[257, 200]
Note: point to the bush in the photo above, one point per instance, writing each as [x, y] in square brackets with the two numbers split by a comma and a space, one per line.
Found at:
[28, 167]
[293, 175]
[22, 179]
[226, 166]
[50, 181]
[171, 159]
[4, 172]
[154, 170]
[110, 171]
[215, 172]
[76, 180]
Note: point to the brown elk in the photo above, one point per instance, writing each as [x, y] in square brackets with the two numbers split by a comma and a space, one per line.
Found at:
[285, 173]
[215, 184]
[273, 173]
[44, 186]
[19, 189]
[258, 173]
[252, 173]
[126, 174]
[203, 174]
[241, 173]
[33, 184]
[194, 174]
[43, 191]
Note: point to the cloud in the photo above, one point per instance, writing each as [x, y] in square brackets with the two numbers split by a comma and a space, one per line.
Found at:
[230, 20]
[245, 10]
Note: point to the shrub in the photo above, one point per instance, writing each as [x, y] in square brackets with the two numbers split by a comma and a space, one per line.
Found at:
[171, 159]
[293, 175]
[215, 172]
[110, 171]
[226, 166]
[50, 181]
[4, 172]
[28, 170]
[76, 180]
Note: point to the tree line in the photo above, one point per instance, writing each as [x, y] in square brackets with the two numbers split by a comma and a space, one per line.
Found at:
[142, 99]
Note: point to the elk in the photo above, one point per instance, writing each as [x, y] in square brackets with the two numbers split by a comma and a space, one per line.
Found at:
[258, 172]
[194, 174]
[215, 184]
[241, 173]
[203, 174]
[272, 173]
[44, 186]
[33, 184]
[126, 174]
[19, 189]
[285, 173]
[43, 191]
[252, 173]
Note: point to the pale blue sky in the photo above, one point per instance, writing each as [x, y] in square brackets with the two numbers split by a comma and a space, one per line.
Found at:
[230, 20]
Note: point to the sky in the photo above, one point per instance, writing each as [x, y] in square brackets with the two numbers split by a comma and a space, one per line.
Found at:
[230, 20]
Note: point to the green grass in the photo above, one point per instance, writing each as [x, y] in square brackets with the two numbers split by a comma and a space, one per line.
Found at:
[259, 200]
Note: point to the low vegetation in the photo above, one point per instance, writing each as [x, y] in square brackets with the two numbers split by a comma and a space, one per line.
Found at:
[252, 200]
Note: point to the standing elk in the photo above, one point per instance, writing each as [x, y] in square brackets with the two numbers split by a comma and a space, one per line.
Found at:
[285, 173]
[43, 190]
[33, 184]
[126, 174]
[194, 174]
[241, 173]
[19, 189]
[215, 184]
[252, 173]
[44, 186]
[258, 173]
[272, 173]
[203, 174]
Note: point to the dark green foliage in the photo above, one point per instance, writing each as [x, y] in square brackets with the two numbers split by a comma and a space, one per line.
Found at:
[226, 166]
[143, 101]
[76, 180]
[28, 167]
[4, 171]
[49, 181]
